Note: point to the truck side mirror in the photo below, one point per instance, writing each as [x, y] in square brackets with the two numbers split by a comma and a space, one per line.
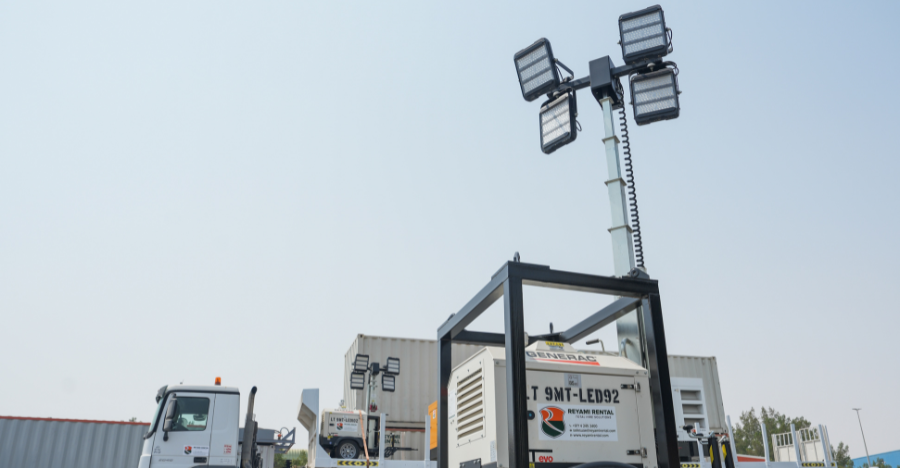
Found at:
[170, 414]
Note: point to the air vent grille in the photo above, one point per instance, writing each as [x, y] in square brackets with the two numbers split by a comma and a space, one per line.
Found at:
[470, 405]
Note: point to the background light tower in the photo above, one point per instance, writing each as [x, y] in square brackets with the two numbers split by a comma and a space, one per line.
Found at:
[863, 435]
[653, 83]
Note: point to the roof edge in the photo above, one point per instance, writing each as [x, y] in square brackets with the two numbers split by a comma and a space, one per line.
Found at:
[26, 418]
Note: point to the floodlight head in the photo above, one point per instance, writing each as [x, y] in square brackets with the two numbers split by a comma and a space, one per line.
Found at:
[393, 366]
[361, 363]
[537, 69]
[388, 382]
[357, 380]
[643, 34]
[655, 96]
[557, 122]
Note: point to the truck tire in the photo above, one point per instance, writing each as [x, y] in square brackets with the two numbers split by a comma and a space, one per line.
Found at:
[347, 450]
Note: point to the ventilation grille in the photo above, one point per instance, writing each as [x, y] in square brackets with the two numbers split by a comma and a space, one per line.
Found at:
[470, 405]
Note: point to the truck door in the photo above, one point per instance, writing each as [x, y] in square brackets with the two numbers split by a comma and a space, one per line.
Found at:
[189, 438]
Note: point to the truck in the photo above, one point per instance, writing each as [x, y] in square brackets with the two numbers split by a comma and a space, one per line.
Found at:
[199, 426]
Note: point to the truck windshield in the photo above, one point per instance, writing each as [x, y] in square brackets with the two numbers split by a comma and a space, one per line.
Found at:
[160, 399]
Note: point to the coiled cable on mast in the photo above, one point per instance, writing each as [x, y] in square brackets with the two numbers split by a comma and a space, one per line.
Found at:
[632, 196]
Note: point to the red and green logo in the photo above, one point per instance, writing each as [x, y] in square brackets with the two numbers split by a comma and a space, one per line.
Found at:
[552, 423]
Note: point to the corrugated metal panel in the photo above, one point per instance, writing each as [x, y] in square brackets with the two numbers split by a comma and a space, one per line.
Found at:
[703, 368]
[417, 382]
[50, 443]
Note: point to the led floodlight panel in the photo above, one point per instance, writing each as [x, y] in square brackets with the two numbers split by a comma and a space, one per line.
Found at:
[537, 70]
[655, 96]
[393, 366]
[361, 363]
[357, 380]
[388, 382]
[643, 34]
[557, 119]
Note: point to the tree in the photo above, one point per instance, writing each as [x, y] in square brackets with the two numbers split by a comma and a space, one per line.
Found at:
[297, 459]
[302, 457]
[841, 456]
[132, 420]
[748, 438]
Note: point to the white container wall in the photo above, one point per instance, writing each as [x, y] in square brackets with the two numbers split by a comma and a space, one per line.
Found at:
[705, 369]
[416, 384]
[50, 443]
[407, 407]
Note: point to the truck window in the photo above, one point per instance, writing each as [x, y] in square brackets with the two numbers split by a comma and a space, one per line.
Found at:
[191, 414]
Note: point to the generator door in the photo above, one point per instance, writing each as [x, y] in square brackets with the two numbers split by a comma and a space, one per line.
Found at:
[582, 418]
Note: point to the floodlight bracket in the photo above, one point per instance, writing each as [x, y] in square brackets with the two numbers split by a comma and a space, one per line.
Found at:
[604, 78]
[571, 73]
[572, 85]
[647, 65]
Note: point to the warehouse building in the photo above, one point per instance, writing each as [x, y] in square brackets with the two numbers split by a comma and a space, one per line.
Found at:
[890, 458]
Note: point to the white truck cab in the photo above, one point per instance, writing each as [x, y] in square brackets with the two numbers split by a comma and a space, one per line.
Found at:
[197, 426]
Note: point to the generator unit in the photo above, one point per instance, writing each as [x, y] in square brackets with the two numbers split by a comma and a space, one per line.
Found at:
[341, 433]
[581, 408]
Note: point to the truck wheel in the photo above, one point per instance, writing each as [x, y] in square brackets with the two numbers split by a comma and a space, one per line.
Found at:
[348, 450]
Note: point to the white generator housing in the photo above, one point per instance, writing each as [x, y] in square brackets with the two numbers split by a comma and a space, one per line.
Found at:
[341, 423]
[581, 408]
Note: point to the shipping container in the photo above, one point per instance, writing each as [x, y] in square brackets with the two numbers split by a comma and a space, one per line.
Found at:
[50, 443]
[407, 407]
[416, 384]
[706, 408]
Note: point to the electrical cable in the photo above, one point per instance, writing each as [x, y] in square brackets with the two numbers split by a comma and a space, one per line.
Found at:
[632, 196]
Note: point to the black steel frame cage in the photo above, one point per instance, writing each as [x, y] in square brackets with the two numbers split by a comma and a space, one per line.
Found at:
[635, 294]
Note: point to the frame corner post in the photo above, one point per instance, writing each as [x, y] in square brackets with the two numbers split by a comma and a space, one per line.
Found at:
[660, 384]
[516, 406]
[444, 350]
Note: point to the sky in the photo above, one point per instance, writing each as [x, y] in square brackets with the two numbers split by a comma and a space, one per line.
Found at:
[201, 189]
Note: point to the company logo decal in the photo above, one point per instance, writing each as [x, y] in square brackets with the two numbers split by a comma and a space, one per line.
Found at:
[565, 358]
[187, 449]
[552, 423]
[340, 426]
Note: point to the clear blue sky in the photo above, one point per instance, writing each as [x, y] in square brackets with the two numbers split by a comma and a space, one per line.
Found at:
[193, 189]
